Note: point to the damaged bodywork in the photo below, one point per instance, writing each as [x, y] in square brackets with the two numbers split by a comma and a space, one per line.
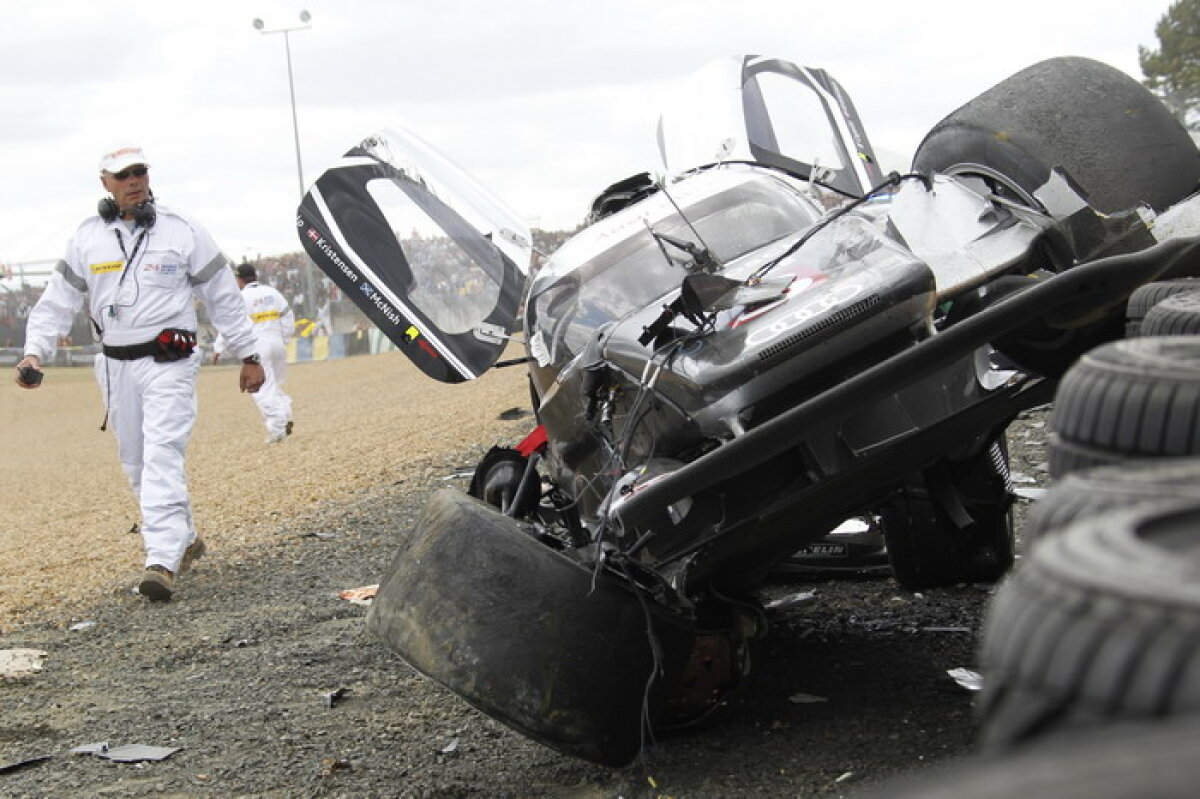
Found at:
[729, 362]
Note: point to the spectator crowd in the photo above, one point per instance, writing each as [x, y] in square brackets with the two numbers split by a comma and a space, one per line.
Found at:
[320, 308]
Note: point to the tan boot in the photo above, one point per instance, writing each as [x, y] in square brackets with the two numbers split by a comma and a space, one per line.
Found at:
[193, 553]
[157, 583]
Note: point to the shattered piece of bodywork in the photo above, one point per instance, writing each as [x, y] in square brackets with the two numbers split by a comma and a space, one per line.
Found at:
[129, 753]
[359, 596]
[16, 765]
[971, 680]
[81, 625]
[18, 663]
[330, 698]
[90, 749]
[450, 748]
[136, 753]
[790, 599]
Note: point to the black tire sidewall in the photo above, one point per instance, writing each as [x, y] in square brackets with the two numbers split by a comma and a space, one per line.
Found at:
[927, 548]
[554, 649]
[1101, 622]
[1115, 139]
[1092, 492]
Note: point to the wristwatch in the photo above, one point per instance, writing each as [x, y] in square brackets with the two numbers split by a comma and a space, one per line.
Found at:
[252, 359]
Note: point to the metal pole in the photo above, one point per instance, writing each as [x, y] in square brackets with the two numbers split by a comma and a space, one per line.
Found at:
[287, 44]
[310, 298]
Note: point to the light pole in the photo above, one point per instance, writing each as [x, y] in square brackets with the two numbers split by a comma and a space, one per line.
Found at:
[260, 26]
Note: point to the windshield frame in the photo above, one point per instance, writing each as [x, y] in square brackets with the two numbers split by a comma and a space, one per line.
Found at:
[617, 268]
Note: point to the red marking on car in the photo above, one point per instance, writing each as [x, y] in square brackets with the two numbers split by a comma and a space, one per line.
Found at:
[534, 442]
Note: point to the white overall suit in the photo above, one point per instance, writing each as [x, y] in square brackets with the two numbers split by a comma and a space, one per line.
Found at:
[138, 281]
[274, 323]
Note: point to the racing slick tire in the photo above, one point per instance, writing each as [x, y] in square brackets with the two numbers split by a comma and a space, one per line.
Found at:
[953, 523]
[1147, 296]
[1117, 142]
[1177, 315]
[1128, 399]
[1124, 761]
[1091, 492]
[564, 653]
[1099, 624]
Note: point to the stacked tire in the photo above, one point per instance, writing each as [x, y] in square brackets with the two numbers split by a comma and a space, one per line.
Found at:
[1100, 623]
[1177, 315]
[1127, 400]
[1146, 297]
[1091, 645]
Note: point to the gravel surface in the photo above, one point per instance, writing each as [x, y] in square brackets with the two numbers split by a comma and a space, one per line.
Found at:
[267, 682]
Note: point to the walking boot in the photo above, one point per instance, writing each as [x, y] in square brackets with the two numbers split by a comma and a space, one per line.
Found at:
[157, 583]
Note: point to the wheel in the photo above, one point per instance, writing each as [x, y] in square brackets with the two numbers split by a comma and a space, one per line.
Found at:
[1114, 138]
[1134, 398]
[1124, 761]
[1118, 144]
[567, 654]
[1100, 623]
[953, 523]
[1177, 315]
[501, 480]
[1092, 492]
[1146, 297]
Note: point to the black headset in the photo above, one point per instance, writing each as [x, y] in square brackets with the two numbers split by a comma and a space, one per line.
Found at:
[144, 213]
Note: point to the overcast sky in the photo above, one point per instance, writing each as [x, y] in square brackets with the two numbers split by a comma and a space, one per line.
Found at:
[544, 101]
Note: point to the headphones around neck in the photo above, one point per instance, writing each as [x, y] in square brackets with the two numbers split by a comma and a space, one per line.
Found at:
[144, 213]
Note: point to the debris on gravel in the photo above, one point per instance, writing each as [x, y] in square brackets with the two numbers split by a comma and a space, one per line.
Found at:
[262, 678]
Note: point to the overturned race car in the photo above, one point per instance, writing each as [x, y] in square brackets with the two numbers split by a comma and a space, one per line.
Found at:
[729, 362]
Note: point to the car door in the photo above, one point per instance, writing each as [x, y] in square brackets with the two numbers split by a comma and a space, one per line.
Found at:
[752, 108]
[430, 256]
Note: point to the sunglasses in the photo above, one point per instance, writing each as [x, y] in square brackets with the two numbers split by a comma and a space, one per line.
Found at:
[136, 171]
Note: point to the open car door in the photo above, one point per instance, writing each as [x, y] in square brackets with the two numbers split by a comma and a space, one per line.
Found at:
[432, 258]
[750, 108]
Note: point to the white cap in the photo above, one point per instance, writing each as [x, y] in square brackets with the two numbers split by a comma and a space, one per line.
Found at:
[122, 157]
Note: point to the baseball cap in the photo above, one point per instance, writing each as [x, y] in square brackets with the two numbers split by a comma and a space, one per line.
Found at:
[121, 157]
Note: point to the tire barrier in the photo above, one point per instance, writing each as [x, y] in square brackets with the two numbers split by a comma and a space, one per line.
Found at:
[1177, 315]
[1100, 624]
[1128, 399]
[1147, 296]
[1093, 492]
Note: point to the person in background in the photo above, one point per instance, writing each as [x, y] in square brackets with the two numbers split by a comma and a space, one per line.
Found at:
[139, 266]
[274, 323]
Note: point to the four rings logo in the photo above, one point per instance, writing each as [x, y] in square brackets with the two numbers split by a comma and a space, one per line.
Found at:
[837, 295]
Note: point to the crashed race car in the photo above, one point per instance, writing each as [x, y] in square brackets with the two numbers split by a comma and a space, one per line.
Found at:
[731, 361]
